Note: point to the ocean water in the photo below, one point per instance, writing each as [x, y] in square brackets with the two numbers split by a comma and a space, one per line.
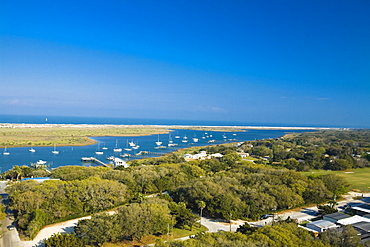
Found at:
[44, 119]
[71, 155]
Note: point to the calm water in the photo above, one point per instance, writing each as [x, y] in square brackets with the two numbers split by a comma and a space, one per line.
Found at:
[101, 120]
[72, 155]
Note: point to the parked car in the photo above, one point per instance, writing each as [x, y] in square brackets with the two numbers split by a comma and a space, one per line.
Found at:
[265, 216]
[10, 228]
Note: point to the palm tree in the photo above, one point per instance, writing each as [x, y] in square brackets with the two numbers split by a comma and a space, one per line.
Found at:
[201, 205]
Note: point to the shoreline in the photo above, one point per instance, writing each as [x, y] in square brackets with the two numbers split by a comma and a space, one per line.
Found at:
[94, 126]
[46, 135]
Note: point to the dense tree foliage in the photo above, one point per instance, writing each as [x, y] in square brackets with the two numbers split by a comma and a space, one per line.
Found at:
[247, 192]
[19, 172]
[229, 187]
[130, 222]
[63, 240]
[281, 234]
[2, 212]
[36, 205]
[331, 150]
[342, 237]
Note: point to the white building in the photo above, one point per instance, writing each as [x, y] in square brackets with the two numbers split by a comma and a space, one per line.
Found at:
[321, 225]
[216, 155]
[353, 220]
[202, 156]
[119, 162]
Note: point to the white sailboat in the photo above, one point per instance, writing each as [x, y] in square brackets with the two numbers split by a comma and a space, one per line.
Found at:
[136, 146]
[5, 152]
[132, 143]
[116, 148]
[170, 142]
[55, 150]
[32, 150]
[158, 142]
[177, 135]
[185, 139]
[127, 147]
[98, 152]
[195, 139]
[104, 148]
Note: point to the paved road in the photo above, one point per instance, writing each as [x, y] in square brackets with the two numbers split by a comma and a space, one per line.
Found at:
[216, 225]
[10, 238]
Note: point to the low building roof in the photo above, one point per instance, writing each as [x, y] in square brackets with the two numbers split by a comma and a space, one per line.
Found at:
[363, 208]
[306, 228]
[323, 224]
[363, 227]
[366, 216]
[353, 220]
[337, 216]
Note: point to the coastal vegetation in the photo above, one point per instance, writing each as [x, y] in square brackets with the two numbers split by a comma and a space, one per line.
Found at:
[39, 204]
[279, 234]
[68, 135]
[18, 135]
[163, 192]
[328, 150]
[231, 189]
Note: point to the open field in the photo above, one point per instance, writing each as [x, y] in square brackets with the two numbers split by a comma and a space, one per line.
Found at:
[358, 178]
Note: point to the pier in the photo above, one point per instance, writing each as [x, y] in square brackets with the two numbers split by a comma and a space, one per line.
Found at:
[94, 160]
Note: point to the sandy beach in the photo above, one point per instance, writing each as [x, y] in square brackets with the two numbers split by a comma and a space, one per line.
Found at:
[100, 126]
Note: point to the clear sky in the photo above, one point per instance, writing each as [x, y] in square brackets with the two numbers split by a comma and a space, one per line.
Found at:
[301, 62]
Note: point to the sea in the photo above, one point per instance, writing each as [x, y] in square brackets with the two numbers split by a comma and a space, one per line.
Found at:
[146, 145]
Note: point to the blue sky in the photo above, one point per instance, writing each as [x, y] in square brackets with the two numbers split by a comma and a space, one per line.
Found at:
[296, 62]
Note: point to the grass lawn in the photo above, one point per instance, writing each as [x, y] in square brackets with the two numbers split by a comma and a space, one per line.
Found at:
[177, 233]
[358, 178]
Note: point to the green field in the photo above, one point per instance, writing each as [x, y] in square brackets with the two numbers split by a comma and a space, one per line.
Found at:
[358, 178]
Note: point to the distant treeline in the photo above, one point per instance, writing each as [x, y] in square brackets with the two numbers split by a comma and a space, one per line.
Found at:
[329, 150]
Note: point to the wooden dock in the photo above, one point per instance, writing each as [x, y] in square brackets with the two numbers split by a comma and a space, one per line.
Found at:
[94, 160]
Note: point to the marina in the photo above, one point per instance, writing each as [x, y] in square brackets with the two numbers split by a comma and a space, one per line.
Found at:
[108, 147]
